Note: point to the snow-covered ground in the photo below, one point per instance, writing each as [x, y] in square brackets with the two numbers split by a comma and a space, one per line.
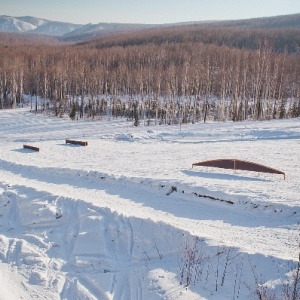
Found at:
[127, 217]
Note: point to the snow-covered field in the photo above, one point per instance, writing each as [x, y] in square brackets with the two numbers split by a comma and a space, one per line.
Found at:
[127, 217]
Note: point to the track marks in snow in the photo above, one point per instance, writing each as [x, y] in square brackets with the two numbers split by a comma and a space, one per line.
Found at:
[124, 196]
[96, 240]
[110, 254]
[73, 289]
[68, 216]
[89, 181]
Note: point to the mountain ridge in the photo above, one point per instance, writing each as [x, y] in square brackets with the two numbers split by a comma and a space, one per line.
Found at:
[71, 32]
[28, 24]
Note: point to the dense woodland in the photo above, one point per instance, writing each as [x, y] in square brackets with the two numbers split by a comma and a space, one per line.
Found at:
[162, 76]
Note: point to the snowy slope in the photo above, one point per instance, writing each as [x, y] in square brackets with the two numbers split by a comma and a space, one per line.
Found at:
[69, 31]
[32, 20]
[35, 25]
[56, 28]
[93, 31]
[127, 217]
[9, 24]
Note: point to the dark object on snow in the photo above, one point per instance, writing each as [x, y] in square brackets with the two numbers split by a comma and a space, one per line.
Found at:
[58, 215]
[173, 189]
[31, 147]
[237, 164]
[77, 142]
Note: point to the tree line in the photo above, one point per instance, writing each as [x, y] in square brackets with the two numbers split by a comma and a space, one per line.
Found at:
[165, 83]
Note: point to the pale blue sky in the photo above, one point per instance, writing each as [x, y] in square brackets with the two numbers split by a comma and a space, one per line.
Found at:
[147, 11]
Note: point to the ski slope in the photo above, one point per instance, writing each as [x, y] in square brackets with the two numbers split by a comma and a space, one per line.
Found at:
[127, 217]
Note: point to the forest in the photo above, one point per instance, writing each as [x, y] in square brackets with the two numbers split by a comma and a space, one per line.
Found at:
[171, 75]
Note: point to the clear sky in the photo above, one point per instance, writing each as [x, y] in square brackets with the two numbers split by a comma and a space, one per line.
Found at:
[147, 11]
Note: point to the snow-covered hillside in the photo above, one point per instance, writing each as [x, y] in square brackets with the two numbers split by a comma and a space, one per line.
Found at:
[56, 28]
[35, 25]
[127, 217]
[9, 24]
[68, 31]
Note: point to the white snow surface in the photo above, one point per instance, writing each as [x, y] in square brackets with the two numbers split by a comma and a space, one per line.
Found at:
[35, 25]
[10, 24]
[122, 217]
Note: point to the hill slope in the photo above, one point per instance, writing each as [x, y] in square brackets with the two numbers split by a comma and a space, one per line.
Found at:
[34, 25]
[126, 217]
[279, 22]
[77, 32]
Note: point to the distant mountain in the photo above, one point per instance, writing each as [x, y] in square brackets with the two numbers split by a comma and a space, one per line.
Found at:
[94, 31]
[9, 24]
[77, 33]
[278, 22]
[66, 31]
[32, 20]
[35, 25]
[56, 28]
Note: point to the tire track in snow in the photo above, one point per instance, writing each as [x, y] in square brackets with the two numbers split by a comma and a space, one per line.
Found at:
[71, 219]
[268, 241]
[123, 288]
[93, 288]
[60, 128]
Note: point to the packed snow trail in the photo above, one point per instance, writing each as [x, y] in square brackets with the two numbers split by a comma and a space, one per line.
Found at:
[205, 219]
[112, 220]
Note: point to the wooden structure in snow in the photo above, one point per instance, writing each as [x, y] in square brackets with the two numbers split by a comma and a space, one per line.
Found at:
[76, 142]
[31, 147]
[237, 164]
